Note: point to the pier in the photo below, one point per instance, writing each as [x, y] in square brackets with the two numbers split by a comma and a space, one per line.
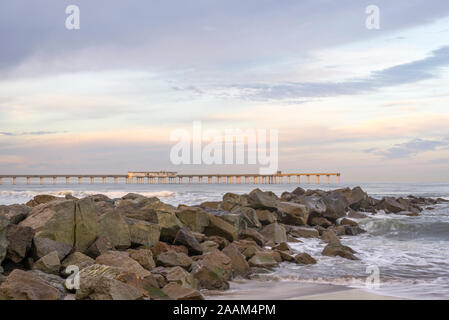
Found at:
[163, 177]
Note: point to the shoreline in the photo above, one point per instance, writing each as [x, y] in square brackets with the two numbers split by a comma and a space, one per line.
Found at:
[283, 290]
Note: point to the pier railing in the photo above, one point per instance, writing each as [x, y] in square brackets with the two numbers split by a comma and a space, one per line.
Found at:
[170, 178]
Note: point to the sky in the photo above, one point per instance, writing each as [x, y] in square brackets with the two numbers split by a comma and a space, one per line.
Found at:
[372, 104]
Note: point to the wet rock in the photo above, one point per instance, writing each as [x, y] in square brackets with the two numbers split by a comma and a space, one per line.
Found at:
[285, 256]
[195, 218]
[304, 258]
[143, 256]
[15, 213]
[263, 260]
[22, 285]
[173, 259]
[391, 205]
[43, 246]
[274, 232]
[219, 227]
[283, 246]
[177, 292]
[334, 249]
[186, 238]
[143, 233]
[329, 236]
[292, 239]
[356, 215]
[253, 235]
[100, 246]
[114, 227]
[353, 231]
[239, 265]
[123, 261]
[348, 222]
[293, 213]
[315, 204]
[20, 240]
[49, 263]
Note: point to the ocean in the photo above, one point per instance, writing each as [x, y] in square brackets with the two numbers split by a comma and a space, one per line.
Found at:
[411, 254]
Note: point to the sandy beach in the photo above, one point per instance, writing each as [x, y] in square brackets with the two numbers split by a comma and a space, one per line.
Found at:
[283, 290]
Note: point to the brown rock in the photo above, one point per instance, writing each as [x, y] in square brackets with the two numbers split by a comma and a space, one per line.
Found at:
[20, 240]
[274, 232]
[348, 222]
[173, 259]
[77, 259]
[181, 277]
[266, 217]
[144, 257]
[283, 246]
[186, 238]
[123, 261]
[213, 271]
[319, 221]
[239, 265]
[100, 246]
[177, 292]
[39, 199]
[49, 263]
[208, 246]
[219, 227]
[304, 232]
[253, 235]
[15, 213]
[262, 200]
[43, 246]
[195, 218]
[304, 258]
[293, 213]
[263, 259]
[340, 250]
[329, 236]
[21, 285]
[222, 242]
[114, 227]
[143, 233]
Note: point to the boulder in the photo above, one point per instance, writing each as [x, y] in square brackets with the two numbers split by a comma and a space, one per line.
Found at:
[195, 218]
[304, 232]
[169, 224]
[219, 227]
[336, 204]
[77, 259]
[274, 232]
[111, 289]
[173, 259]
[319, 221]
[235, 220]
[266, 217]
[248, 216]
[208, 246]
[40, 199]
[253, 235]
[177, 292]
[100, 246]
[4, 222]
[231, 200]
[86, 224]
[293, 213]
[353, 230]
[222, 242]
[43, 246]
[89, 276]
[239, 265]
[143, 233]
[262, 200]
[20, 240]
[315, 204]
[114, 227]
[353, 196]
[15, 213]
[186, 238]
[304, 258]
[329, 236]
[336, 249]
[348, 222]
[263, 260]
[356, 215]
[213, 271]
[123, 261]
[22, 285]
[49, 263]
[391, 205]
[282, 247]
[182, 277]
[143, 256]
[285, 256]
[213, 205]
[54, 220]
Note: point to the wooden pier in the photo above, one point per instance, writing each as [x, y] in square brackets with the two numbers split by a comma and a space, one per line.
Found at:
[163, 177]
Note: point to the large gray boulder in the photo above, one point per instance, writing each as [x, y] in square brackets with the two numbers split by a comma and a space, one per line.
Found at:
[20, 240]
[274, 232]
[336, 205]
[263, 200]
[143, 233]
[195, 218]
[4, 222]
[248, 217]
[15, 213]
[114, 227]
[293, 213]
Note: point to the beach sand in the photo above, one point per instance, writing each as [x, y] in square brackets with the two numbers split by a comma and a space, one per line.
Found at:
[282, 290]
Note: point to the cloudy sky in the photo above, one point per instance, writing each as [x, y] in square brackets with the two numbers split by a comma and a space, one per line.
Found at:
[371, 104]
